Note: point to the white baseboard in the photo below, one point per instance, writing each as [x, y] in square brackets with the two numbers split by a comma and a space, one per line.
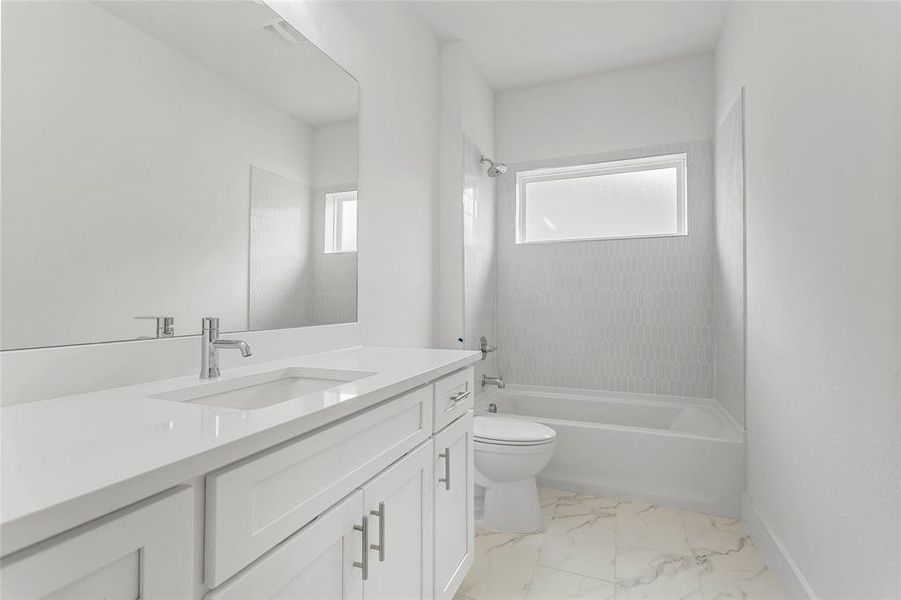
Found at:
[777, 558]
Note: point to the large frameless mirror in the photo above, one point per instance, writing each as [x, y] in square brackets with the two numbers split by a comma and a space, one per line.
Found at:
[166, 161]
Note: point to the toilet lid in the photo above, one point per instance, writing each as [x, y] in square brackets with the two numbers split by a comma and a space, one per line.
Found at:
[516, 431]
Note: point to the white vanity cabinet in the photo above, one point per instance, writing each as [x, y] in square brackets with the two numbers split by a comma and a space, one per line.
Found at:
[374, 544]
[376, 505]
[142, 551]
[257, 503]
[453, 498]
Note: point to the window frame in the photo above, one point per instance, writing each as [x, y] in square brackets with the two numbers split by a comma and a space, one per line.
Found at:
[333, 221]
[677, 160]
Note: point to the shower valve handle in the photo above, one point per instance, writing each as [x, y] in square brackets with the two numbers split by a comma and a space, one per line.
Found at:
[485, 348]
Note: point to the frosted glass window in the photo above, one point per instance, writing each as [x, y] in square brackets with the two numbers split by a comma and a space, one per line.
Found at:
[341, 222]
[634, 198]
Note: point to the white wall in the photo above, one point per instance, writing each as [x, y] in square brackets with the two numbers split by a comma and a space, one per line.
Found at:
[663, 103]
[478, 205]
[395, 59]
[479, 258]
[164, 150]
[467, 111]
[822, 168]
[478, 106]
[335, 154]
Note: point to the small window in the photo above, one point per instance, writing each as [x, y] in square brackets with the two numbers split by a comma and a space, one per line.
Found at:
[642, 197]
[341, 222]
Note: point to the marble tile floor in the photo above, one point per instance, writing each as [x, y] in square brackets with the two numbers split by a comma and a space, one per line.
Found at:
[606, 549]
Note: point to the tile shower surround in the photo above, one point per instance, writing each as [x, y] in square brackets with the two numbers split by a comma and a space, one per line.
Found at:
[632, 315]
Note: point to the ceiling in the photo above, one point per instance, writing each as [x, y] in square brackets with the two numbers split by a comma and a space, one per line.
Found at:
[517, 44]
[228, 37]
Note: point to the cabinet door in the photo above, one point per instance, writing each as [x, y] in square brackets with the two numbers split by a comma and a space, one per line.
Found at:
[454, 528]
[143, 551]
[399, 504]
[322, 560]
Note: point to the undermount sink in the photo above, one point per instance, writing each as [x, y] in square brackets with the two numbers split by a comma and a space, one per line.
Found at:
[263, 389]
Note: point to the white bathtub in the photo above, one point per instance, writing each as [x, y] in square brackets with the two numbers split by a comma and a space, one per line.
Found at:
[680, 452]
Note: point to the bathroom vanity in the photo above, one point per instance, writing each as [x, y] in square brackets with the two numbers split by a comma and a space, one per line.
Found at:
[204, 489]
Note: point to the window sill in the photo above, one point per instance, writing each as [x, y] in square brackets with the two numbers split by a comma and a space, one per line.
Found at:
[603, 239]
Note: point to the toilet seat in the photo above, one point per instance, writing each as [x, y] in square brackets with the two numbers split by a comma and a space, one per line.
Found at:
[503, 431]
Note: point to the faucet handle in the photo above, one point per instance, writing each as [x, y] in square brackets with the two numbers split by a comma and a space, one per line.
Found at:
[210, 323]
[165, 326]
[485, 348]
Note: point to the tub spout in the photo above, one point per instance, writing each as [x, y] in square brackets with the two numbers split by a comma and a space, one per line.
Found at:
[498, 381]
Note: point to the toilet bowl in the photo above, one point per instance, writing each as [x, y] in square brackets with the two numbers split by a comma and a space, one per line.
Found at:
[509, 453]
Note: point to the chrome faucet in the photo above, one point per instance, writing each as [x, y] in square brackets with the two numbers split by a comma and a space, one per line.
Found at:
[165, 326]
[499, 382]
[210, 345]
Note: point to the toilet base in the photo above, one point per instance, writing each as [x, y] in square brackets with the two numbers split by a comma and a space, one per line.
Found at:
[512, 507]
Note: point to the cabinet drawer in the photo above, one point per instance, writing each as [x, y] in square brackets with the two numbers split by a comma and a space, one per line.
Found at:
[257, 503]
[453, 397]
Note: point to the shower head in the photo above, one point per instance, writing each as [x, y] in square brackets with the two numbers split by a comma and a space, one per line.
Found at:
[495, 169]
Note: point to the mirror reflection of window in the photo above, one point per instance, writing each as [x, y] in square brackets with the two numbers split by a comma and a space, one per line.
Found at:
[341, 222]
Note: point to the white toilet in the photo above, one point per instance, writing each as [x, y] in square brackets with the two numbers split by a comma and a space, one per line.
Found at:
[509, 453]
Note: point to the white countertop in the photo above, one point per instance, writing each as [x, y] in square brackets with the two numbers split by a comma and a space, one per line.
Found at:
[68, 460]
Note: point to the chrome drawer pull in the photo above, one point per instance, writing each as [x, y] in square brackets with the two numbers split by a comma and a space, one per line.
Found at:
[364, 563]
[460, 397]
[447, 468]
[380, 513]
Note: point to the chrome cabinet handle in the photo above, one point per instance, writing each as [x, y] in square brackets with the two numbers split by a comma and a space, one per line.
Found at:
[364, 562]
[380, 513]
[447, 468]
[460, 397]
